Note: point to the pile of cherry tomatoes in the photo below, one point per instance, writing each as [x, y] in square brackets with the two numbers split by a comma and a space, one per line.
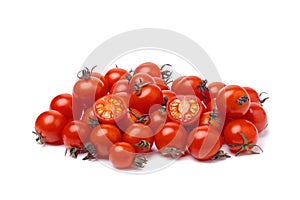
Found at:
[125, 116]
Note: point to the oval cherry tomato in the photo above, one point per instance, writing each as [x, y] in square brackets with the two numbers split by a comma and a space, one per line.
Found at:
[185, 109]
[214, 88]
[234, 100]
[138, 79]
[103, 137]
[241, 136]
[122, 155]
[149, 68]
[109, 109]
[140, 136]
[204, 142]
[144, 98]
[63, 104]
[120, 86]
[258, 116]
[171, 139]
[49, 126]
[115, 74]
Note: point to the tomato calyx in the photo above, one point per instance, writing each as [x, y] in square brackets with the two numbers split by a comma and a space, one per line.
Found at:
[242, 100]
[39, 139]
[93, 122]
[203, 88]
[144, 119]
[90, 150]
[245, 146]
[264, 99]
[140, 86]
[173, 152]
[166, 74]
[73, 151]
[143, 144]
[220, 155]
[140, 161]
[214, 115]
[86, 73]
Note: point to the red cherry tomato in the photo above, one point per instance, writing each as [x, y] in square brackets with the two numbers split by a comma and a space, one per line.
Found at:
[132, 116]
[122, 155]
[103, 137]
[169, 94]
[171, 139]
[120, 86]
[124, 96]
[49, 126]
[185, 109]
[258, 116]
[138, 79]
[241, 136]
[254, 96]
[234, 100]
[63, 104]
[214, 88]
[140, 136]
[204, 142]
[115, 74]
[109, 109]
[212, 119]
[161, 83]
[102, 78]
[158, 118]
[149, 68]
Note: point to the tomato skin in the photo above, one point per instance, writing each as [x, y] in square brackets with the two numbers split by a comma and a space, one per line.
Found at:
[102, 78]
[149, 96]
[212, 119]
[234, 100]
[49, 125]
[63, 104]
[214, 88]
[76, 133]
[103, 137]
[257, 115]
[150, 68]
[124, 96]
[254, 96]
[89, 115]
[158, 118]
[128, 119]
[160, 83]
[136, 133]
[232, 130]
[139, 78]
[122, 155]
[120, 86]
[169, 94]
[172, 135]
[204, 142]
[115, 74]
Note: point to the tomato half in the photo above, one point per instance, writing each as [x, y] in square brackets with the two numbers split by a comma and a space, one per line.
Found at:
[184, 109]
[109, 109]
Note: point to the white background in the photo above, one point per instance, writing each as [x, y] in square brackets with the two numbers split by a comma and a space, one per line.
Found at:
[43, 44]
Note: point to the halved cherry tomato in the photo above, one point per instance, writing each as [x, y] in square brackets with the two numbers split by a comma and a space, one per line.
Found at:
[257, 115]
[150, 68]
[109, 109]
[63, 104]
[185, 109]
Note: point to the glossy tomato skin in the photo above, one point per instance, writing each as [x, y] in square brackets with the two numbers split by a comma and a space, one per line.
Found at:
[204, 142]
[212, 119]
[122, 155]
[102, 78]
[149, 96]
[158, 118]
[234, 100]
[138, 79]
[103, 137]
[150, 68]
[89, 116]
[140, 136]
[115, 74]
[257, 115]
[63, 104]
[232, 134]
[168, 94]
[49, 125]
[254, 96]
[131, 117]
[161, 83]
[214, 88]
[120, 86]
[172, 135]
[76, 133]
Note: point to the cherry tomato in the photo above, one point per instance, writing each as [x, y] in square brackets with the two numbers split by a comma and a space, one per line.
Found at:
[109, 109]
[115, 74]
[103, 137]
[254, 96]
[158, 118]
[140, 136]
[145, 97]
[132, 116]
[49, 126]
[102, 78]
[257, 115]
[161, 83]
[122, 155]
[214, 88]
[138, 79]
[204, 142]
[234, 100]
[120, 86]
[89, 117]
[212, 119]
[209, 106]
[169, 94]
[171, 139]
[184, 109]
[149, 68]
[63, 104]
[241, 136]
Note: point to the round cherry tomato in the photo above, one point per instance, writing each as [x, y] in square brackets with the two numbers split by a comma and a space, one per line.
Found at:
[171, 139]
[254, 96]
[145, 97]
[102, 78]
[234, 100]
[109, 109]
[140, 136]
[209, 106]
[214, 88]
[115, 74]
[138, 79]
[204, 142]
[241, 136]
[212, 119]
[63, 104]
[49, 126]
[132, 116]
[149, 68]
[89, 117]
[168, 94]
[258, 116]
[161, 83]
[120, 86]
[158, 118]
[122, 155]
[103, 137]
[184, 109]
